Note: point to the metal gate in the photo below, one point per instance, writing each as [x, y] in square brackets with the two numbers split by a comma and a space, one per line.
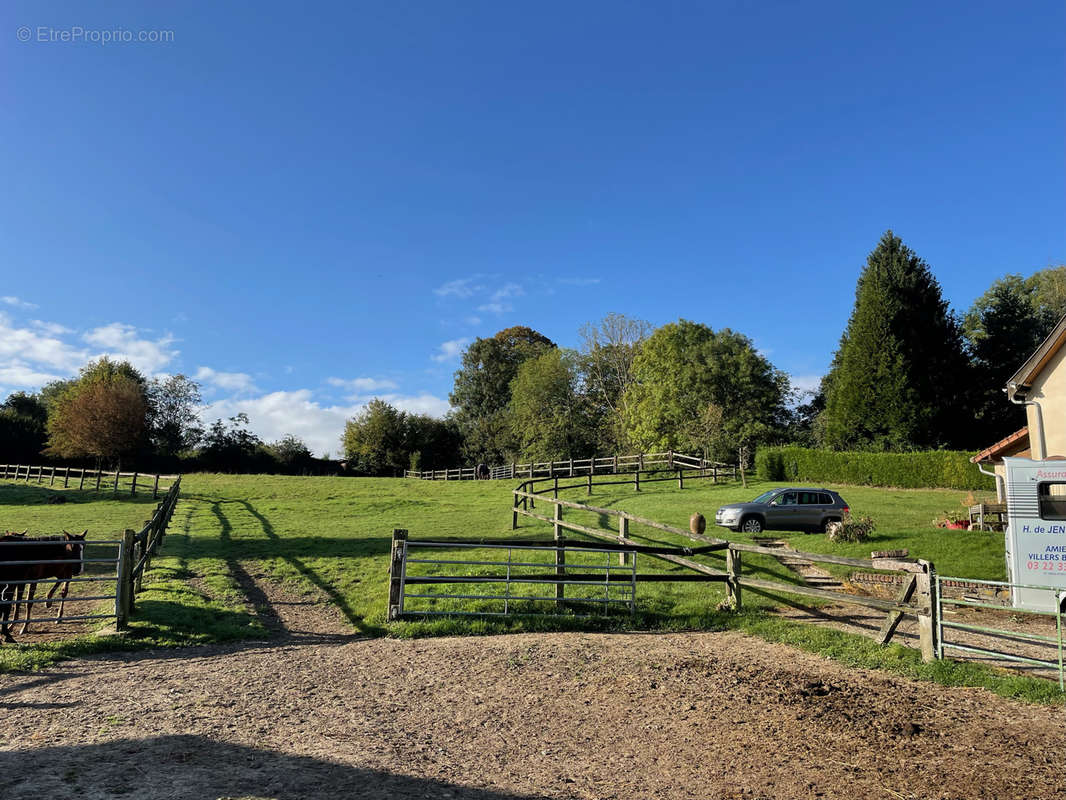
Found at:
[101, 564]
[1042, 649]
[586, 577]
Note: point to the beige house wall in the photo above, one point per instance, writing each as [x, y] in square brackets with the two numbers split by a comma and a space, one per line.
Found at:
[1049, 389]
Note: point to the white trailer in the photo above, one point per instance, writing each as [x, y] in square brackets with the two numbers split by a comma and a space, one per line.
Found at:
[1036, 531]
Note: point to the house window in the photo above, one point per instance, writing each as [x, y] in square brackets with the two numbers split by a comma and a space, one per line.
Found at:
[1052, 500]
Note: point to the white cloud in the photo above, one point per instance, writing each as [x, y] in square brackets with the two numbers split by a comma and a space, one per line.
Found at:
[122, 343]
[362, 385]
[21, 374]
[17, 303]
[22, 345]
[450, 350]
[473, 320]
[232, 381]
[495, 308]
[806, 383]
[51, 328]
[276, 414]
[463, 287]
[508, 290]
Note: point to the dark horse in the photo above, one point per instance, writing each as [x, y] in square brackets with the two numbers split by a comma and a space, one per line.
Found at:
[47, 555]
[57, 557]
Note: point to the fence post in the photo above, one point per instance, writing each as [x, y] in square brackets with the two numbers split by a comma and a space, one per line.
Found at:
[616, 463]
[66, 476]
[114, 490]
[732, 565]
[99, 474]
[52, 477]
[927, 611]
[670, 458]
[155, 488]
[590, 484]
[514, 511]
[124, 590]
[640, 462]
[714, 478]
[133, 486]
[680, 479]
[571, 467]
[555, 488]
[623, 533]
[513, 467]
[560, 554]
[636, 481]
[81, 480]
[399, 549]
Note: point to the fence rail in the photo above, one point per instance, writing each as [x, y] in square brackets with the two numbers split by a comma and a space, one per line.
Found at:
[98, 480]
[572, 467]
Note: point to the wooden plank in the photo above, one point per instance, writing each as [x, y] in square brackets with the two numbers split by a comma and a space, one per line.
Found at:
[893, 618]
[823, 594]
[396, 562]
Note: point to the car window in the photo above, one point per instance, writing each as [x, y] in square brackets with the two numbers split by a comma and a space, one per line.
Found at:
[765, 497]
[787, 499]
[825, 499]
[809, 498]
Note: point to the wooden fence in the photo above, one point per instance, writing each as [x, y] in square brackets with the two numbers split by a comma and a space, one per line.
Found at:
[91, 479]
[572, 467]
[916, 598]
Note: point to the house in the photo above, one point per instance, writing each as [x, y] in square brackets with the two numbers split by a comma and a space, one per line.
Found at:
[1040, 386]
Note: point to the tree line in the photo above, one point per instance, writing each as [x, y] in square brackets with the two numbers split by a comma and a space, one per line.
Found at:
[111, 414]
[909, 374]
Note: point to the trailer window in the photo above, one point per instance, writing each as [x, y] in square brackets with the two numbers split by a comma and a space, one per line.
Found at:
[1052, 500]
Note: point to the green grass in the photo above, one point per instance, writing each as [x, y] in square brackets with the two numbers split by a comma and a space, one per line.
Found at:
[334, 535]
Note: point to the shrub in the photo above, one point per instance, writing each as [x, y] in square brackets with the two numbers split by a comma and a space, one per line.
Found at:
[850, 529]
[948, 469]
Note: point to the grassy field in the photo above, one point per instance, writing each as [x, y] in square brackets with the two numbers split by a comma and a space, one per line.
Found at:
[334, 535]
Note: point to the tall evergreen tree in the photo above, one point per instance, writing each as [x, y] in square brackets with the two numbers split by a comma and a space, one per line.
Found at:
[899, 378]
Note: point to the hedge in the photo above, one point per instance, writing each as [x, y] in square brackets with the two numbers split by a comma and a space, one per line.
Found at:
[947, 469]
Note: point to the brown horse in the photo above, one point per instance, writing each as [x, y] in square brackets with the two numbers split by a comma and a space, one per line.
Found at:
[59, 558]
[10, 593]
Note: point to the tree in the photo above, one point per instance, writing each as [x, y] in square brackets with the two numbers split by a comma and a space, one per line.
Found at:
[230, 447]
[608, 348]
[681, 369]
[482, 391]
[431, 443]
[175, 423]
[23, 427]
[374, 440]
[900, 375]
[102, 415]
[291, 453]
[550, 420]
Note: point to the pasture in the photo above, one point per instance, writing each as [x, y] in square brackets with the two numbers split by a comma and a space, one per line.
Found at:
[330, 537]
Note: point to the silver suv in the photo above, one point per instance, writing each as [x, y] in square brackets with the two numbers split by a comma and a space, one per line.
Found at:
[784, 510]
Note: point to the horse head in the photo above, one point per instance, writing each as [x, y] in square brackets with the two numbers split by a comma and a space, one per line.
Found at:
[76, 548]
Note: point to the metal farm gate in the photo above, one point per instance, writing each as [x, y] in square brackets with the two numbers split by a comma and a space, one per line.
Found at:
[101, 563]
[1037, 646]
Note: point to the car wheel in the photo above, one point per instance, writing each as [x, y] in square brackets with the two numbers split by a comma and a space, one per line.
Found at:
[751, 525]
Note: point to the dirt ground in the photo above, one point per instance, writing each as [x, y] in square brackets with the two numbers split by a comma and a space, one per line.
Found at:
[316, 712]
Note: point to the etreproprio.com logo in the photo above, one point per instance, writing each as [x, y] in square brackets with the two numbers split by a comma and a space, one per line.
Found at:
[76, 34]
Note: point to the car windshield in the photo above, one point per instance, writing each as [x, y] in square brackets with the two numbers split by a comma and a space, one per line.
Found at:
[765, 496]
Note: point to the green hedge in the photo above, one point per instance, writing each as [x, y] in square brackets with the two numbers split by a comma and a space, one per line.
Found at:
[948, 469]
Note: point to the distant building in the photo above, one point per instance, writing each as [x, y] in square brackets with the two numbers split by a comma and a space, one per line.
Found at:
[1039, 385]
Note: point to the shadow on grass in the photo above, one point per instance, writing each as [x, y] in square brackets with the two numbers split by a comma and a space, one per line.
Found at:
[277, 549]
[12, 494]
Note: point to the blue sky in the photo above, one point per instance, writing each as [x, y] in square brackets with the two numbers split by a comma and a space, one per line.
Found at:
[306, 205]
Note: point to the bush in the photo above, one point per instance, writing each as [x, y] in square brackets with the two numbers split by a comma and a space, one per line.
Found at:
[850, 529]
[947, 469]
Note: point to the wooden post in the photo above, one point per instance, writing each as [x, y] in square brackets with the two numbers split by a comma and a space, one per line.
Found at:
[571, 467]
[670, 458]
[615, 464]
[66, 476]
[114, 489]
[40, 474]
[399, 549]
[551, 470]
[155, 488]
[139, 549]
[640, 462]
[927, 611]
[636, 481]
[555, 488]
[560, 554]
[81, 480]
[513, 468]
[714, 477]
[514, 512]
[124, 590]
[623, 533]
[52, 478]
[680, 479]
[590, 483]
[732, 565]
[133, 486]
